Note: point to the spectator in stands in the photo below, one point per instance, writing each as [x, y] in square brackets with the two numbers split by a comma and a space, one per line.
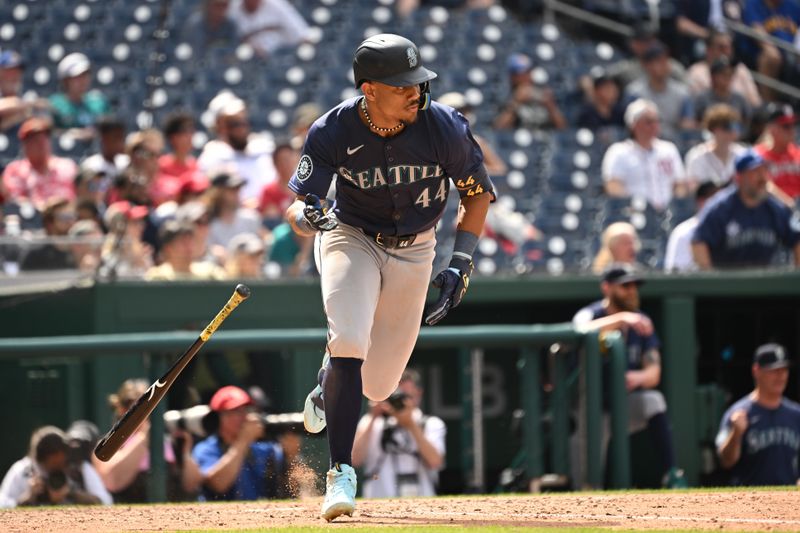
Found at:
[678, 257]
[41, 477]
[245, 257]
[86, 238]
[228, 218]
[209, 27]
[112, 159]
[236, 147]
[236, 464]
[400, 449]
[671, 97]
[619, 311]
[778, 19]
[124, 251]
[276, 197]
[759, 435]
[290, 251]
[40, 175]
[77, 108]
[743, 225]
[57, 217]
[179, 166]
[304, 116]
[195, 213]
[619, 243]
[177, 247]
[626, 71]
[721, 92]
[699, 20]
[720, 44]
[713, 160]
[144, 147]
[126, 473]
[605, 109]
[644, 166]
[90, 189]
[529, 105]
[267, 25]
[781, 152]
[13, 108]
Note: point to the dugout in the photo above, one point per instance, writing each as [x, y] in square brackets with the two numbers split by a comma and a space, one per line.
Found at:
[709, 325]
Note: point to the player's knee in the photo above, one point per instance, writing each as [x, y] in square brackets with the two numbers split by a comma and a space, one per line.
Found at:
[349, 345]
[377, 392]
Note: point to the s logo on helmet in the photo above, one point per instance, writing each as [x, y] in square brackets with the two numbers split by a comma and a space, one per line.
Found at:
[411, 54]
[304, 168]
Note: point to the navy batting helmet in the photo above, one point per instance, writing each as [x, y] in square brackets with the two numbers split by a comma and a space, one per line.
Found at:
[393, 60]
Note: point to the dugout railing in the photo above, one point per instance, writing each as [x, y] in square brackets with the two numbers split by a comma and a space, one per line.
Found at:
[533, 343]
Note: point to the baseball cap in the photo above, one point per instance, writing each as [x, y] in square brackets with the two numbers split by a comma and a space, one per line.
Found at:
[619, 273]
[780, 113]
[33, 125]
[171, 230]
[654, 51]
[643, 31]
[226, 178]
[229, 397]
[600, 76]
[131, 211]
[195, 183]
[748, 160]
[637, 109]
[82, 228]
[73, 65]
[191, 212]
[771, 356]
[11, 59]
[248, 243]
[518, 63]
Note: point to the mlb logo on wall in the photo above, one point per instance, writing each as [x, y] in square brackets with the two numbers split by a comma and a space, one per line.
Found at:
[411, 54]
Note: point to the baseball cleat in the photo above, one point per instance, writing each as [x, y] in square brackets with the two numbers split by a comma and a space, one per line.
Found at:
[314, 411]
[340, 492]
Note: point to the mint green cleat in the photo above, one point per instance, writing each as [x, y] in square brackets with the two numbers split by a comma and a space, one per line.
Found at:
[314, 408]
[340, 492]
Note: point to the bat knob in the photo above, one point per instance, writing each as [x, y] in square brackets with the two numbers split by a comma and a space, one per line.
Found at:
[243, 290]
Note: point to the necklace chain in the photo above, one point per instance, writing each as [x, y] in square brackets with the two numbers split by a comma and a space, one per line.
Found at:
[372, 125]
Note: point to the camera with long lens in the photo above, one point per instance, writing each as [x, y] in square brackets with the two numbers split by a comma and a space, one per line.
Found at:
[398, 400]
[55, 480]
[201, 422]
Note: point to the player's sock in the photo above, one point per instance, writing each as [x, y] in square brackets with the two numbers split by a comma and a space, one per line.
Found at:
[341, 388]
[660, 430]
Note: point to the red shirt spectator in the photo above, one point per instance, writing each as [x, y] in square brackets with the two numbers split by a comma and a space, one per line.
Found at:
[275, 197]
[178, 167]
[40, 175]
[782, 154]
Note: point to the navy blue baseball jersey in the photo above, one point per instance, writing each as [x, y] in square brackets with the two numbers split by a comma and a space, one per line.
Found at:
[740, 236]
[770, 446]
[396, 185]
[637, 344]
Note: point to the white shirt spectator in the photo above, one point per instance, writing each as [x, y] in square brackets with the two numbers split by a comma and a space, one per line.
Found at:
[274, 24]
[16, 482]
[244, 221]
[703, 165]
[254, 164]
[649, 174]
[383, 465]
[678, 257]
[98, 164]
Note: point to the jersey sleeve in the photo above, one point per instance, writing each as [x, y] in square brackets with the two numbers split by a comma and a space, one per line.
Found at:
[724, 429]
[463, 159]
[710, 228]
[790, 234]
[317, 165]
[612, 166]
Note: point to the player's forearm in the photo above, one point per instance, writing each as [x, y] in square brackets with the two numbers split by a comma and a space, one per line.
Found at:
[222, 475]
[122, 469]
[688, 27]
[731, 450]
[293, 213]
[613, 322]
[702, 256]
[651, 376]
[615, 188]
[191, 477]
[427, 451]
[472, 214]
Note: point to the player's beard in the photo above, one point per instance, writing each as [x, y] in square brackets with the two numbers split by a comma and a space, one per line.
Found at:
[628, 302]
[238, 143]
[410, 115]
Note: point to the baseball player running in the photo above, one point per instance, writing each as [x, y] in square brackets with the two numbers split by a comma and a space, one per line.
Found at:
[394, 153]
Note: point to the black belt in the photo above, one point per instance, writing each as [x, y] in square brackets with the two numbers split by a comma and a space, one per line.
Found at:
[392, 241]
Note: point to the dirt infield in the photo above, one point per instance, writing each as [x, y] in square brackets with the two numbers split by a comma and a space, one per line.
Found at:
[744, 510]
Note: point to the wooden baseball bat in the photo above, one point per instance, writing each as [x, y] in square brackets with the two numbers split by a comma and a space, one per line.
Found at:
[141, 409]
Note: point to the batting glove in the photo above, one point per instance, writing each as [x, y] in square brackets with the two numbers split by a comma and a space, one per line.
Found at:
[316, 216]
[452, 284]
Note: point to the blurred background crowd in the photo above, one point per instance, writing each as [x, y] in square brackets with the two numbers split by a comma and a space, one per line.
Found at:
[154, 139]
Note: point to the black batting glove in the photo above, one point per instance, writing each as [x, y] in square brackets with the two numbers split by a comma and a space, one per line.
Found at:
[316, 216]
[452, 284]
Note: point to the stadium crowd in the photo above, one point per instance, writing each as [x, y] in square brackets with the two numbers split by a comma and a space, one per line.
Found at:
[167, 203]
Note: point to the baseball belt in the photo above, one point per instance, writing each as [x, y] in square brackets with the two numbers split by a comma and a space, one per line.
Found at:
[392, 241]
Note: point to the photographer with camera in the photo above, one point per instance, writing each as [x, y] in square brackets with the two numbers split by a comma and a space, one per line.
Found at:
[400, 449]
[236, 463]
[41, 478]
